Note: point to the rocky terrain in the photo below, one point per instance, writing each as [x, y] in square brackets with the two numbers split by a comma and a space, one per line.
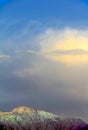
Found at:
[23, 118]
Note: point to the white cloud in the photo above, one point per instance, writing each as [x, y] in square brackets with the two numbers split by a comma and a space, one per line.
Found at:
[4, 57]
[69, 46]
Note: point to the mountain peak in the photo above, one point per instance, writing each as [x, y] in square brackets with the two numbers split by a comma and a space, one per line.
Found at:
[22, 109]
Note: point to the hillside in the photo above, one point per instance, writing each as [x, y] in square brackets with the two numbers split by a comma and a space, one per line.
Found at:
[24, 118]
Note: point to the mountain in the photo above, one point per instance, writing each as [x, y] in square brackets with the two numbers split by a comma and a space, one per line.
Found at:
[24, 118]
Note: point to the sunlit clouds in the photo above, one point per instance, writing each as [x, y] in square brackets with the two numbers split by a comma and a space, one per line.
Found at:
[68, 45]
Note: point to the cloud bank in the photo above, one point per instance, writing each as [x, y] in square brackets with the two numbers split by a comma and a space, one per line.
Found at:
[53, 77]
[68, 45]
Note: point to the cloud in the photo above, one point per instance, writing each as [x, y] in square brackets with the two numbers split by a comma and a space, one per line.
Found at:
[53, 86]
[58, 49]
[4, 57]
[69, 46]
[35, 78]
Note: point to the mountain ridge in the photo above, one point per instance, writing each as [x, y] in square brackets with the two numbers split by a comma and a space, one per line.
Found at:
[26, 118]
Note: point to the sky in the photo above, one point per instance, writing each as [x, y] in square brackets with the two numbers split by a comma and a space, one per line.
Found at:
[44, 56]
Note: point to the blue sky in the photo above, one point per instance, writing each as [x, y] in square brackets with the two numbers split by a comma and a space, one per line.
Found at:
[45, 11]
[2, 1]
[16, 15]
[44, 55]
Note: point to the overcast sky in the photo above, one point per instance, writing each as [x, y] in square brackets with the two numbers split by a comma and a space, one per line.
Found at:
[44, 55]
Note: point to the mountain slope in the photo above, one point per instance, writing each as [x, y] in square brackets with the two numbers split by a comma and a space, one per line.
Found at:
[23, 118]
